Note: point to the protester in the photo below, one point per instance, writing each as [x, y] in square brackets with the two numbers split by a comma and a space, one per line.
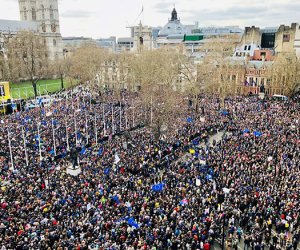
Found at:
[136, 191]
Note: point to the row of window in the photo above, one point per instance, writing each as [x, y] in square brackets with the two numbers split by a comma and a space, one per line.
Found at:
[53, 27]
[54, 42]
[33, 13]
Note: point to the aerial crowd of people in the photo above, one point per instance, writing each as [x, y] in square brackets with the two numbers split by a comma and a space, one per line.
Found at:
[93, 174]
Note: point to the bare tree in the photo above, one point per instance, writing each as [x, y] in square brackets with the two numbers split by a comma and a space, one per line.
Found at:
[61, 67]
[27, 58]
[157, 73]
[217, 73]
[86, 64]
[285, 74]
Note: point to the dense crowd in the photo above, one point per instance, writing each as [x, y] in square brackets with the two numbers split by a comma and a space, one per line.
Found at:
[138, 191]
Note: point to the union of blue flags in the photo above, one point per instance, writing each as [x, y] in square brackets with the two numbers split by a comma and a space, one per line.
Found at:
[257, 133]
[133, 223]
[106, 171]
[100, 151]
[189, 119]
[158, 187]
[83, 150]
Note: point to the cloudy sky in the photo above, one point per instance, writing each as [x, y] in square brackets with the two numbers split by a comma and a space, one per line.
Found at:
[103, 18]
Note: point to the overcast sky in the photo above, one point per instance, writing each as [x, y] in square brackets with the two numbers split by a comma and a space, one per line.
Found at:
[103, 18]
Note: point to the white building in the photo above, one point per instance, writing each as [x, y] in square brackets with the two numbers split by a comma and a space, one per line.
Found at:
[125, 44]
[107, 43]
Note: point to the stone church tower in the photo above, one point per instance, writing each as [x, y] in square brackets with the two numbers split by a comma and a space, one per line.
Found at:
[45, 12]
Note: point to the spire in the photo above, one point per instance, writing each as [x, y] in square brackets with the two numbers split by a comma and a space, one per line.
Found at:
[174, 15]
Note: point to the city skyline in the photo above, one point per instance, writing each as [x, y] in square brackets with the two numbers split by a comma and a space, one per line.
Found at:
[88, 18]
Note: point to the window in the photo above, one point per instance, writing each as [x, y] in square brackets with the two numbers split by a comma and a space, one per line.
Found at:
[263, 54]
[44, 27]
[53, 27]
[286, 37]
[141, 40]
[51, 13]
[54, 42]
[33, 14]
[25, 13]
[245, 48]
[249, 47]
[43, 11]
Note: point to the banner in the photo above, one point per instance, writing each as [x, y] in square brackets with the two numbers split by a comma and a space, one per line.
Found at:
[4, 91]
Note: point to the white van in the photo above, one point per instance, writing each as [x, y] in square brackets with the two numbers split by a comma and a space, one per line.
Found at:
[45, 100]
[280, 98]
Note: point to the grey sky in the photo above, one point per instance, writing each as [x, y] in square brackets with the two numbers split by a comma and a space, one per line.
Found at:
[103, 18]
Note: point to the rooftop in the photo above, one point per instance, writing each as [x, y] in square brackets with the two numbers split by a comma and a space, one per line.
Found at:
[14, 26]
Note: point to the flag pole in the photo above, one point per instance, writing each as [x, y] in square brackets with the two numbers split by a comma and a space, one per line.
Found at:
[67, 135]
[39, 138]
[53, 137]
[96, 131]
[151, 115]
[104, 124]
[24, 141]
[120, 116]
[112, 119]
[126, 119]
[133, 114]
[76, 139]
[10, 149]
[86, 129]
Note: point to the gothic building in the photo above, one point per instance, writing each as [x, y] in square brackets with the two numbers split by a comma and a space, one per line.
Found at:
[39, 16]
[45, 13]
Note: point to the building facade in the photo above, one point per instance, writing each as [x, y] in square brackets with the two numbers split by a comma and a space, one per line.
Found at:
[45, 13]
[142, 37]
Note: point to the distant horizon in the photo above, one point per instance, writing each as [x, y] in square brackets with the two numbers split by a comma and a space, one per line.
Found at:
[102, 19]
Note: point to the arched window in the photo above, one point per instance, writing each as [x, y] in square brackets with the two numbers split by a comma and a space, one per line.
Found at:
[53, 27]
[43, 11]
[25, 13]
[33, 14]
[54, 42]
[51, 13]
[44, 27]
